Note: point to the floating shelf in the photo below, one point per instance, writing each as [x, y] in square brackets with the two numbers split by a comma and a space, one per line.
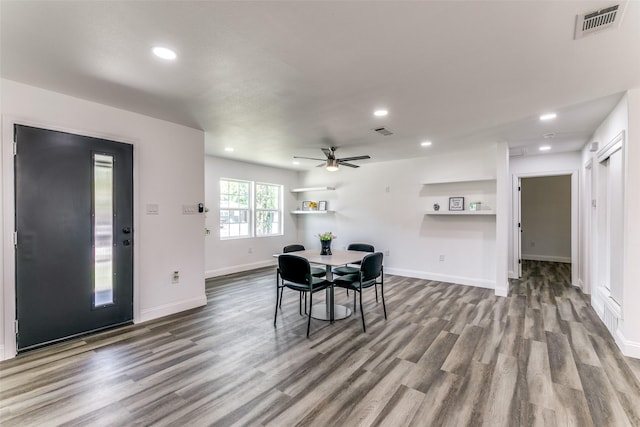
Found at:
[302, 190]
[310, 212]
[453, 181]
[485, 212]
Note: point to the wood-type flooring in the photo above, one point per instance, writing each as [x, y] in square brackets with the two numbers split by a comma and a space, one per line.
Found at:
[448, 355]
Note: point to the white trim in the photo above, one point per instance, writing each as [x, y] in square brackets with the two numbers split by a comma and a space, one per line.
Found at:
[8, 201]
[460, 280]
[172, 308]
[629, 348]
[614, 145]
[238, 268]
[549, 258]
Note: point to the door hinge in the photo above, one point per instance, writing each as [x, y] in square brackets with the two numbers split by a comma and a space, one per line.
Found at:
[15, 148]
[15, 238]
[519, 261]
[15, 326]
[518, 225]
[518, 188]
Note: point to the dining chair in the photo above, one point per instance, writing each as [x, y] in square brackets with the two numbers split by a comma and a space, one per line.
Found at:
[294, 272]
[370, 270]
[343, 270]
[315, 272]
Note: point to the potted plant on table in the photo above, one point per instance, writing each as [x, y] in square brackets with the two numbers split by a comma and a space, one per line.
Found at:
[325, 242]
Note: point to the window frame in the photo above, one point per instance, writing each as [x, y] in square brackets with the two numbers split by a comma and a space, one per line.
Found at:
[279, 211]
[228, 209]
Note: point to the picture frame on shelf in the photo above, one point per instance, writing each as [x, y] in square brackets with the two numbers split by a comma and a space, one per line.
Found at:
[322, 205]
[306, 205]
[456, 203]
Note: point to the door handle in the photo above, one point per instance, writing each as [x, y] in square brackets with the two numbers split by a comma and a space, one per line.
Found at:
[126, 230]
[126, 242]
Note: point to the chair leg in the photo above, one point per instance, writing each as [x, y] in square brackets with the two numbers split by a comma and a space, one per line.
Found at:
[300, 303]
[309, 321]
[384, 307]
[354, 302]
[376, 289]
[364, 328]
[281, 290]
[305, 303]
[275, 316]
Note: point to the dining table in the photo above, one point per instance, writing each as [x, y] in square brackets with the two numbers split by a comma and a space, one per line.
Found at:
[330, 310]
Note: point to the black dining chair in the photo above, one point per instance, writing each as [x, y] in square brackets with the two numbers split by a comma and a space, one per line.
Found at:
[294, 272]
[370, 270]
[343, 270]
[315, 272]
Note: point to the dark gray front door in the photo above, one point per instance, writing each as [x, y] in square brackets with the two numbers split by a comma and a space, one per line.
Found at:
[74, 223]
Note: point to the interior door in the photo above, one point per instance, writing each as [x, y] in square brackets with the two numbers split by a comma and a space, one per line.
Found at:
[74, 245]
[519, 230]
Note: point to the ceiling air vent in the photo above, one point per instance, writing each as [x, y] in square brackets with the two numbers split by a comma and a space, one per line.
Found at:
[517, 151]
[383, 131]
[593, 22]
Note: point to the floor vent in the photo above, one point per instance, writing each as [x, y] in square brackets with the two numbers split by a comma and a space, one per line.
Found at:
[599, 20]
[383, 131]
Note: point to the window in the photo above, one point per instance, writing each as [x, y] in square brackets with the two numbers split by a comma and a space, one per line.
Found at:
[268, 210]
[249, 209]
[235, 204]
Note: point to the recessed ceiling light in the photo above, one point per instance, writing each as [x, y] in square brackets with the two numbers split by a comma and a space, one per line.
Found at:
[380, 113]
[548, 116]
[229, 149]
[545, 148]
[164, 53]
[425, 143]
[295, 162]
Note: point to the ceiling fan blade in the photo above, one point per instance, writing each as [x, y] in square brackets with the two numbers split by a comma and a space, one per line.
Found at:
[347, 164]
[348, 159]
[321, 165]
[308, 158]
[328, 153]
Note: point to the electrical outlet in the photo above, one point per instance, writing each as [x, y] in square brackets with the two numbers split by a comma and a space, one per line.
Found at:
[250, 250]
[386, 253]
[176, 277]
[441, 258]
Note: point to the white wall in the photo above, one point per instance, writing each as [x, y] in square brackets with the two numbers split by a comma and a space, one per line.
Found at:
[233, 255]
[624, 118]
[546, 218]
[385, 204]
[168, 171]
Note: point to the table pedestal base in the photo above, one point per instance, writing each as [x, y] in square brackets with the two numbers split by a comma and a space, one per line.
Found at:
[321, 312]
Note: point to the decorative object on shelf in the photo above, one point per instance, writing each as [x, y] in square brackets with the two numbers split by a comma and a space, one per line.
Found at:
[306, 205]
[436, 207]
[325, 242]
[322, 205]
[475, 206]
[456, 203]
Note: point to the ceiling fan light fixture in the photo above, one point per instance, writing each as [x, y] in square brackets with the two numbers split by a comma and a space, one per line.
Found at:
[548, 116]
[164, 53]
[332, 165]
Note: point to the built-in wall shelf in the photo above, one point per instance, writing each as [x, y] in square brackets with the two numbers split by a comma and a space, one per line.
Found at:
[310, 212]
[455, 180]
[302, 190]
[471, 213]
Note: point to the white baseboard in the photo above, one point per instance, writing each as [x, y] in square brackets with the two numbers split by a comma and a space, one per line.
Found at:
[469, 281]
[238, 268]
[502, 291]
[548, 258]
[5, 356]
[174, 307]
[629, 348]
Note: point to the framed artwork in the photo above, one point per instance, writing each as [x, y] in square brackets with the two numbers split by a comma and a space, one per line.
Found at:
[306, 205]
[456, 203]
[322, 205]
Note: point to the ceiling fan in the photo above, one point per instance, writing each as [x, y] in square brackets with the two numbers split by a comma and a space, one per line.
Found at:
[331, 162]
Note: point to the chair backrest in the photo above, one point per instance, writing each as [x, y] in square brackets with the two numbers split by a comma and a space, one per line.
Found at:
[294, 269]
[292, 248]
[362, 247]
[371, 266]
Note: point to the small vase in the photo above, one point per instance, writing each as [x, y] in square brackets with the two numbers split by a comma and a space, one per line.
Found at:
[326, 247]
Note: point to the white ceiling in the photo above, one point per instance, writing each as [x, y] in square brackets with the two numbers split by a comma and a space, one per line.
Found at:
[278, 79]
